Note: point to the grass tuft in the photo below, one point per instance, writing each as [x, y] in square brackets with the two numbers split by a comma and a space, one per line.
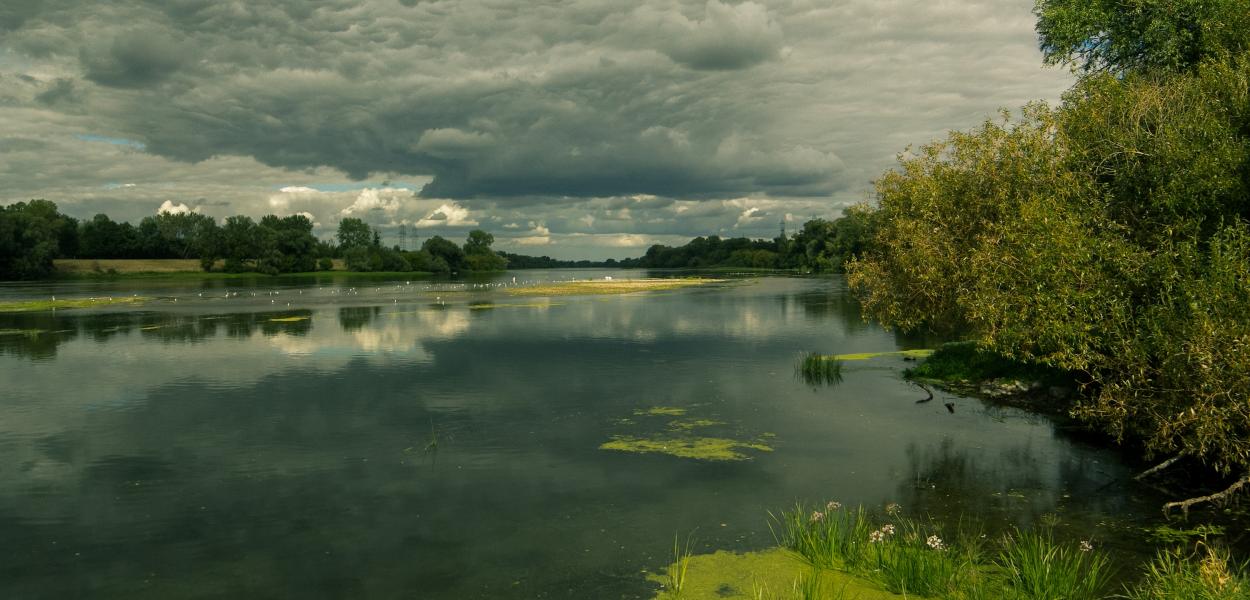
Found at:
[1206, 574]
[817, 369]
[675, 579]
[1035, 567]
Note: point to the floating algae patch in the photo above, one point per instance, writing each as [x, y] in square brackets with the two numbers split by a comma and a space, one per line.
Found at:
[698, 448]
[868, 355]
[769, 574]
[290, 319]
[601, 286]
[691, 424]
[41, 305]
[660, 411]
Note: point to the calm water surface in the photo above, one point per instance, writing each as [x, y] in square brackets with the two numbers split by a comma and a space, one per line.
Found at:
[419, 440]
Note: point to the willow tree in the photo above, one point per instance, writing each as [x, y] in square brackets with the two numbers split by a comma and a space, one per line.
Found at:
[1108, 236]
[1121, 36]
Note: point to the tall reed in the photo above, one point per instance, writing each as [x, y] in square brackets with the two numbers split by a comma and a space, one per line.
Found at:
[817, 369]
[1206, 574]
[1037, 568]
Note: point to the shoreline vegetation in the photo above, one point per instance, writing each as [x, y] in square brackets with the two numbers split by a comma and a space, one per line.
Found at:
[38, 242]
[833, 552]
[1106, 238]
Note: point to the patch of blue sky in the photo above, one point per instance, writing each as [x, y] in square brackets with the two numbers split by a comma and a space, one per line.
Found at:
[87, 137]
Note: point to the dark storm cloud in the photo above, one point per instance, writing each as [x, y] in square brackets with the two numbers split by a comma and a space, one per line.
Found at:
[578, 99]
[61, 91]
[15, 13]
[570, 121]
[134, 59]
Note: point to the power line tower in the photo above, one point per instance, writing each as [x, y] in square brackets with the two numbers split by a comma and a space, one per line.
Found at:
[783, 230]
[403, 237]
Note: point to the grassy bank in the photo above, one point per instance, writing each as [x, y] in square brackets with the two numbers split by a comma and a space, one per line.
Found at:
[834, 553]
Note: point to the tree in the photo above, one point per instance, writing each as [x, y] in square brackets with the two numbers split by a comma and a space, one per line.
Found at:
[354, 233]
[102, 238]
[447, 251]
[29, 239]
[478, 254]
[289, 245]
[478, 242]
[1109, 237]
[239, 242]
[1119, 36]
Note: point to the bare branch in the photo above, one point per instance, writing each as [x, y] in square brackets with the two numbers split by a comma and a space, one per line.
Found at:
[1159, 467]
[1185, 504]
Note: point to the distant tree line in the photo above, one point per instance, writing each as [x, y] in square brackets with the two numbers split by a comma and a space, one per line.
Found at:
[33, 234]
[821, 246]
[521, 261]
[362, 250]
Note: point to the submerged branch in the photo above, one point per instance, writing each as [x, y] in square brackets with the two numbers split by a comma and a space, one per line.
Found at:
[1185, 504]
[923, 387]
[1159, 467]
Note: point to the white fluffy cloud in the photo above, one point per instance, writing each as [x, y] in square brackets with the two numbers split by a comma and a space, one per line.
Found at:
[539, 235]
[369, 199]
[448, 215]
[175, 209]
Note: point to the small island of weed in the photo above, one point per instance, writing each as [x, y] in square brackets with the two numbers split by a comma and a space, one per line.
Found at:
[608, 286]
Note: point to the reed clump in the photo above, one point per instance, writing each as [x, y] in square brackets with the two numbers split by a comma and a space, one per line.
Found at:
[914, 557]
[818, 369]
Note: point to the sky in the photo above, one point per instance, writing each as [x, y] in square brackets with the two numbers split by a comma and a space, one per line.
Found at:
[568, 128]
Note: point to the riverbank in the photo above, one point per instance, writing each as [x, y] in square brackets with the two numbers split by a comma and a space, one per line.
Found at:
[832, 552]
[964, 369]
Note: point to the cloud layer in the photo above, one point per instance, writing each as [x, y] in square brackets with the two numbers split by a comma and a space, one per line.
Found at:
[548, 112]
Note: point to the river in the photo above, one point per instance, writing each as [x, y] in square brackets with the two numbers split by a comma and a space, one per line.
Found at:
[341, 438]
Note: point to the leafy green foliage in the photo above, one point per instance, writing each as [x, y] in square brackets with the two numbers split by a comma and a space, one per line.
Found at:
[441, 249]
[354, 233]
[1107, 236]
[1137, 35]
[965, 362]
[478, 255]
[30, 234]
